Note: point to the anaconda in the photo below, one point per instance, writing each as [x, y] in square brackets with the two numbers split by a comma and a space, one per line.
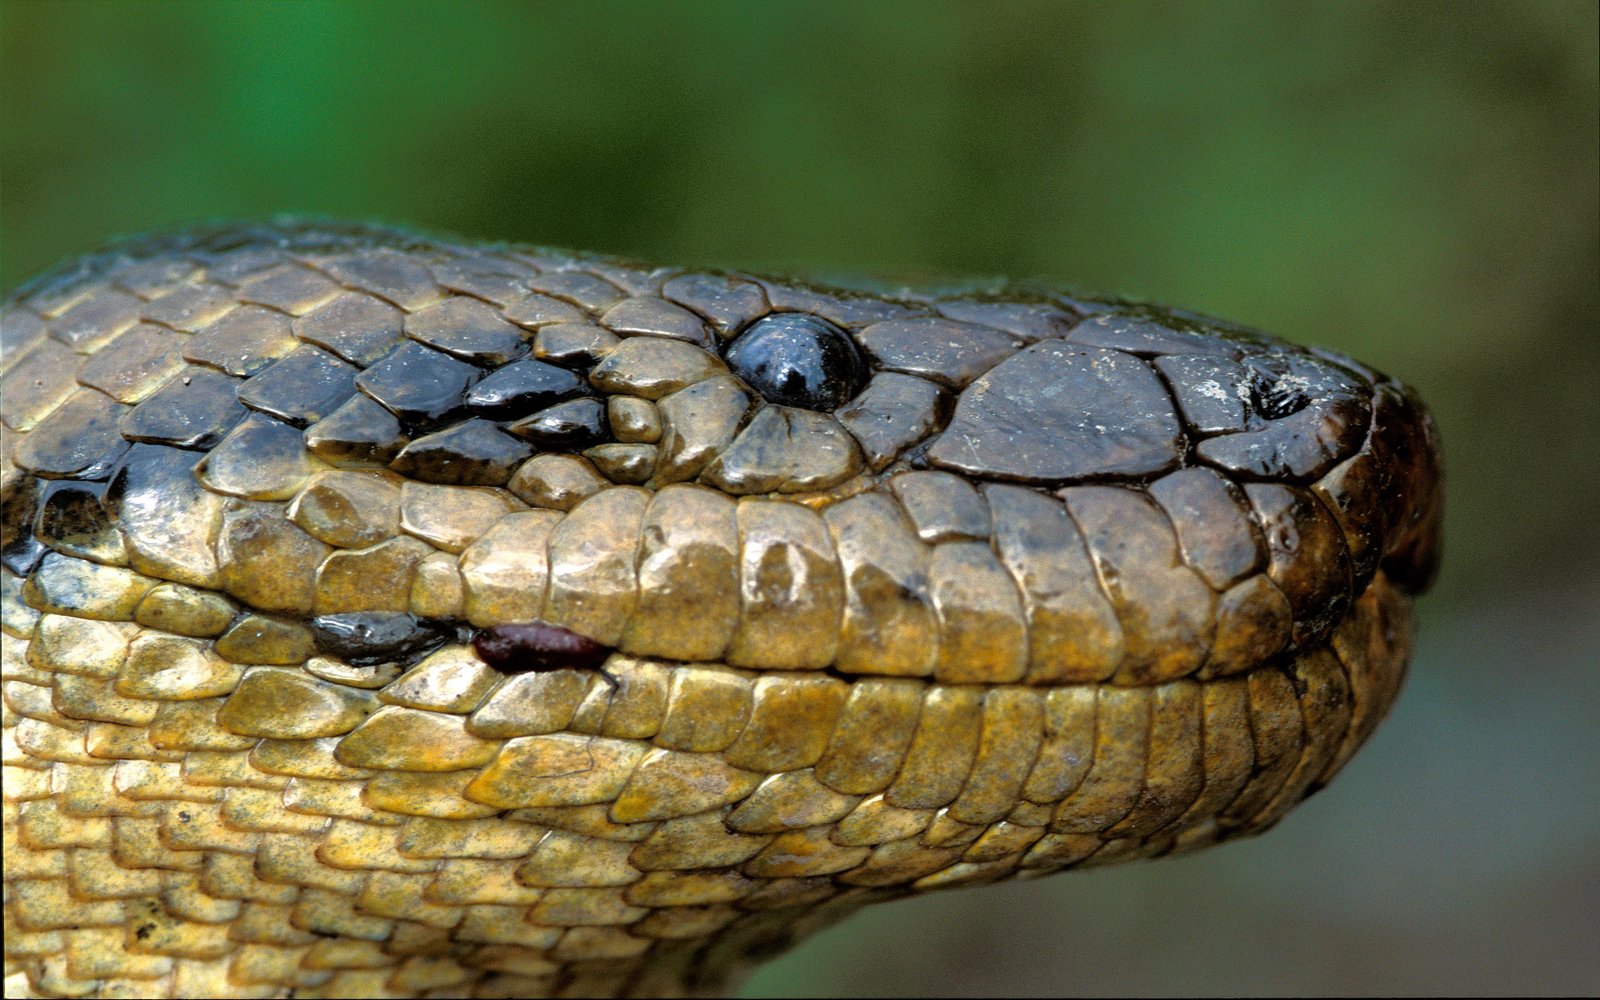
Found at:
[388, 615]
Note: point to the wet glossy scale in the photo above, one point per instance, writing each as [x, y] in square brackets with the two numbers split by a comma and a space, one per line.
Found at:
[391, 615]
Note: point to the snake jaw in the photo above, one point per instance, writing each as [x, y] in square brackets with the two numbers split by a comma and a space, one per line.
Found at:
[291, 510]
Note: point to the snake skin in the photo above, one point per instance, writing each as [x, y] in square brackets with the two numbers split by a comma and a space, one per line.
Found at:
[1064, 582]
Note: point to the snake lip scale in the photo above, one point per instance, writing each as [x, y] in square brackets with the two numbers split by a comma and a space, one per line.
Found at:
[393, 615]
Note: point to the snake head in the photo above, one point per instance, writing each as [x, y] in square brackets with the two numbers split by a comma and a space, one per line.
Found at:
[493, 618]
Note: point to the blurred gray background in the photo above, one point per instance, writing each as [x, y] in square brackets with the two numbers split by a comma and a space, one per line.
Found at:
[1415, 184]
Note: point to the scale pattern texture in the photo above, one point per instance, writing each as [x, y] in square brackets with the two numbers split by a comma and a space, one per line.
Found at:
[1034, 582]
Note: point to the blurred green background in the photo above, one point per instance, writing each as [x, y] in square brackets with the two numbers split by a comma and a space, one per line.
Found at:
[1415, 184]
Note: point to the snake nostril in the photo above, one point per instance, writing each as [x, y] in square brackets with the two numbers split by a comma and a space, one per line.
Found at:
[800, 360]
[1275, 391]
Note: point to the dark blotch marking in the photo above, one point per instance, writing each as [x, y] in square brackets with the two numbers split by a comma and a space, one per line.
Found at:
[368, 638]
[20, 551]
[518, 389]
[570, 426]
[530, 647]
[73, 510]
[424, 388]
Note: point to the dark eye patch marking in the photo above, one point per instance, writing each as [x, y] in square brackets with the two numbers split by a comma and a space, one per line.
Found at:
[532, 647]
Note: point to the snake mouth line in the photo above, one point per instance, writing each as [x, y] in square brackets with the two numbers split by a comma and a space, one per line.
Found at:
[386, 613]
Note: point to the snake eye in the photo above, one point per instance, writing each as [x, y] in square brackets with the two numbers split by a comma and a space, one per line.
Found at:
[799, 360]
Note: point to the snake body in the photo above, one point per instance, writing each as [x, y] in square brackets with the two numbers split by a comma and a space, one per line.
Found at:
[387, 615]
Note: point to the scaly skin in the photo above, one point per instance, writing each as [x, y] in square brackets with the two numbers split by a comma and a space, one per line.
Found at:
[1068, 582]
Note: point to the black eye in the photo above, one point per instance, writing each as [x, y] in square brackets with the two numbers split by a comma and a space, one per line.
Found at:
[799, 360]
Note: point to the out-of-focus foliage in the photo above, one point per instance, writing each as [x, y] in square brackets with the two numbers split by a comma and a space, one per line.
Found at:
[1415, 184]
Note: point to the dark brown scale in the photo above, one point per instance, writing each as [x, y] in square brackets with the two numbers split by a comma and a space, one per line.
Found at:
[1149, 333]
[522, 388]
[359, 433]
[472, 453]
[79, 441]
[419, 385]
[943, 350]
[1056, 412]
[571, 426]
[307, 385]
[467, 329]
[356, 327]
[244, 342]
[243, 458]
[536, 647]
[195, 409]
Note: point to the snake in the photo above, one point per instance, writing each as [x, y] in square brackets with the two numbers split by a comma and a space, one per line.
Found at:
[389, 614]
